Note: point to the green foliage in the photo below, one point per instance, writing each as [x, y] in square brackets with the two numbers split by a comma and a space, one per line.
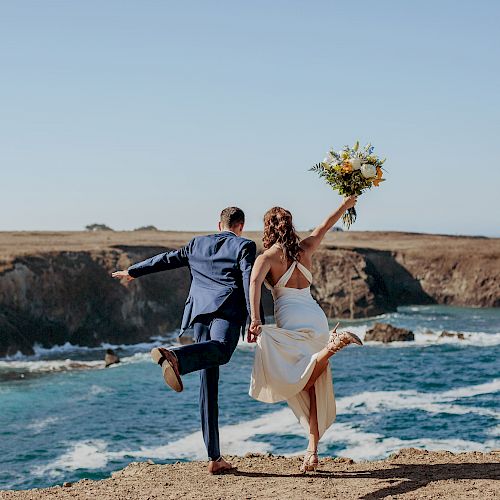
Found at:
[98, 227]
[146, 228]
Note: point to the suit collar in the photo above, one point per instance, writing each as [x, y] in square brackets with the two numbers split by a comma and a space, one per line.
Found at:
[227, 231]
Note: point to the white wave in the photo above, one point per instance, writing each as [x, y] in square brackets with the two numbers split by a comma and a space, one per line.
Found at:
[240, 438]
[60, 365]
[423, 337]
[142, 346]
[68, 348]
[38, 426]
[50, 365]
[90, 454]
[96, 390]
[138, 357]
[480, 339]
[495, 431]
[235, 439]
[40, 351]
[360, 445]
[426, 336]
[431, 402]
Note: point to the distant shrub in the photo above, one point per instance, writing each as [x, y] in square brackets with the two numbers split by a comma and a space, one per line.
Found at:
[146, 228]
[98, 227]
[333, 229]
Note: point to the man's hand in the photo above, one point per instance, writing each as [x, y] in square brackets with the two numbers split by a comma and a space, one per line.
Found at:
[121, 275]
[350, 201]
[254, 330]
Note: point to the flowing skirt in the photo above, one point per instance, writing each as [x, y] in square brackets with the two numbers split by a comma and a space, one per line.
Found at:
[285, 359]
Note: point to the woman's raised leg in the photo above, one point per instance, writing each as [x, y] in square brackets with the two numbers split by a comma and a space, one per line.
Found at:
[337, 341]
[321, 363]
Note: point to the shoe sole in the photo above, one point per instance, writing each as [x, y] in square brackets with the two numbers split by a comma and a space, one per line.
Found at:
[355, 338]
[168, 371]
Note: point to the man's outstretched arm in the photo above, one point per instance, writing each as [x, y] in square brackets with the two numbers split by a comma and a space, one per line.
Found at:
[161, 262]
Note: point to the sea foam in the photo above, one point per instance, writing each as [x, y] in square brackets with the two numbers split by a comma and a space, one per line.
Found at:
[249, 436]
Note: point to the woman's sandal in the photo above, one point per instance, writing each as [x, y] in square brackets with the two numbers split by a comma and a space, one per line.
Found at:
[310, 462]
[339, 340]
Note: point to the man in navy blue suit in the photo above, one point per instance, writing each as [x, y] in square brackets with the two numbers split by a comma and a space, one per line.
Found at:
[217, 307]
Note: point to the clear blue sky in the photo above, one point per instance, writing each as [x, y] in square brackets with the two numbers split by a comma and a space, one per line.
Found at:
[163, 112]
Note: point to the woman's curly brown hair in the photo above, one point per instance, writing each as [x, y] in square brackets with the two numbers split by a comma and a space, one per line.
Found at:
[278, 228]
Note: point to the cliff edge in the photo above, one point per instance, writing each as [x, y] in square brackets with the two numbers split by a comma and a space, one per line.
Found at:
[408, 474]
[57, 288]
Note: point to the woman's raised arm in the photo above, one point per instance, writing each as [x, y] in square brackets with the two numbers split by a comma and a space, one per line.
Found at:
[312, 242]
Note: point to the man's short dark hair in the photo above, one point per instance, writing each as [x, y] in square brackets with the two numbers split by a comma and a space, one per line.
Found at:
[231, 216]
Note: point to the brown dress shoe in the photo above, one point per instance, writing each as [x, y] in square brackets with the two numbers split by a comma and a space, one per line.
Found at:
[170, 367]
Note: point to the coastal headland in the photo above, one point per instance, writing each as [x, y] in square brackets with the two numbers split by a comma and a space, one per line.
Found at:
[55, 287]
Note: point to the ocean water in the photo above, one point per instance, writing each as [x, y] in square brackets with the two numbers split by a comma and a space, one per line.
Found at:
[64, 417]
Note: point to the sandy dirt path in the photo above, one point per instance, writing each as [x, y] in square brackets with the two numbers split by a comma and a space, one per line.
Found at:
[408, 474]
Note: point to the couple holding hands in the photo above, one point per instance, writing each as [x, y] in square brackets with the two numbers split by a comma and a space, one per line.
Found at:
[291, 359]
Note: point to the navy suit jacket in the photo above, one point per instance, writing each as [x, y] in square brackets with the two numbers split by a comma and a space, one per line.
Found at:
[220, 266]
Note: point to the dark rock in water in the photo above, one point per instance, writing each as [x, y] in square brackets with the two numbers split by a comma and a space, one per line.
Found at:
[111, 358]
[459, 336]
[383, 332]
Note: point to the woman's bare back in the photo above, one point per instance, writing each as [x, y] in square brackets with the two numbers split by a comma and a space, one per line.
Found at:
[279, 266]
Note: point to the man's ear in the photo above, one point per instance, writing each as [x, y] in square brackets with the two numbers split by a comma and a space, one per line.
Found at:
[220, 226]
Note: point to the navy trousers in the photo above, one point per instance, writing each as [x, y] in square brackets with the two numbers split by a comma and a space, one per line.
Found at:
[216, 339]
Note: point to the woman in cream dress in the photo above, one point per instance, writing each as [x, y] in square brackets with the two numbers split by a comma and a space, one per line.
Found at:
[291, 359]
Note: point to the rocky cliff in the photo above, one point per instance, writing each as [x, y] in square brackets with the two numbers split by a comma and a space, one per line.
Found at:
[56, 287]
[60, 297]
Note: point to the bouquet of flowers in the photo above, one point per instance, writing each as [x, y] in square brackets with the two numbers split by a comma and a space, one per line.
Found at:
[350, 172]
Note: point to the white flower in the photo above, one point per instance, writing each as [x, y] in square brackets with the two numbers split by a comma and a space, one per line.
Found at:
[330, 160]
[356, 164]
[368, 170]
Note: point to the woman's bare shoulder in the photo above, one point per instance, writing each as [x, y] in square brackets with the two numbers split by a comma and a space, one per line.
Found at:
[272, 255]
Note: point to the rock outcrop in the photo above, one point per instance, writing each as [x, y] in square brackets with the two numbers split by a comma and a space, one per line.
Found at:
[357, 283]
[453, 335]
[111, 358]
[57, 288]
[55, 298]
[383, 332]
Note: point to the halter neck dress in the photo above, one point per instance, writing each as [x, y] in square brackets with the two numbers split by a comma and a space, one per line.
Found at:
[286, 354]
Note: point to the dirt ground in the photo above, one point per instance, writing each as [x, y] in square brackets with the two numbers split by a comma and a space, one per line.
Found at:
[408, 474]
